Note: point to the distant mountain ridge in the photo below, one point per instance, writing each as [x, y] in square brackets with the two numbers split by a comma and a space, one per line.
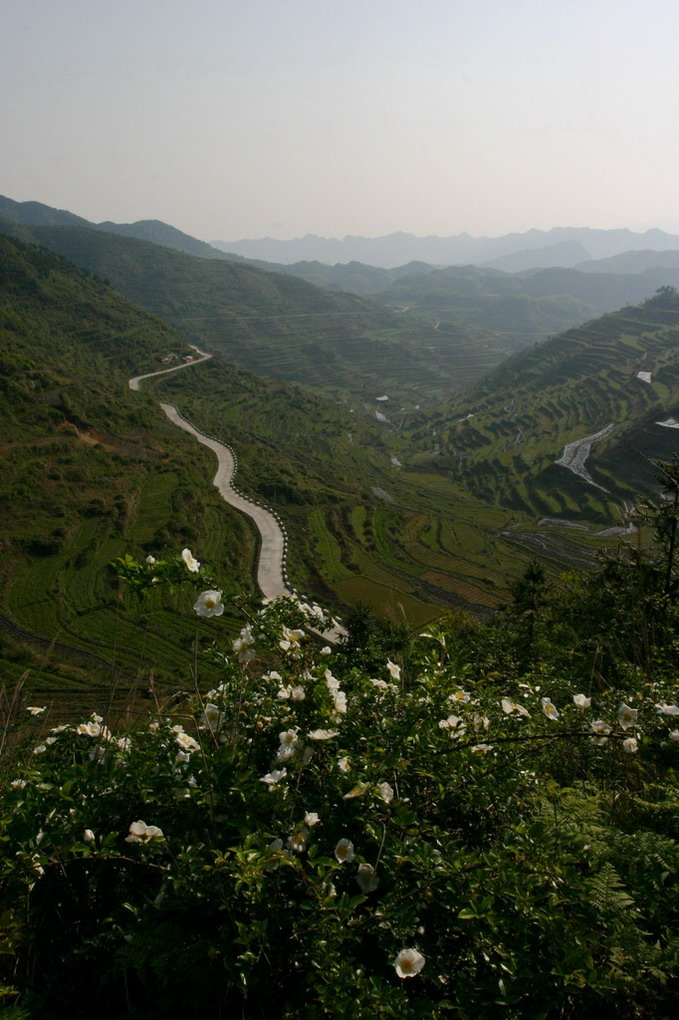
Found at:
[397, 249]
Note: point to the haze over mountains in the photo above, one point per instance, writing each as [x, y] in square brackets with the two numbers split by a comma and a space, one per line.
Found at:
[561, 246]
[432, 329]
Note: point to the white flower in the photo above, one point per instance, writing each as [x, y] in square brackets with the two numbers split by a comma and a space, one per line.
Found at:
[459, 695]
[209, 603]
[343, 765]
[630, 745]
[381, 685]
[674, 735]
[274, 777]
[242, 646]
[186, 743]
[212, 716]
[340, 702]
[290, 743]
[344, 851]
[88, 836]
[140, 832]
[385, 792]
[40, 749]
[482, 748]
[548, 708]
[367, 879]
[311, 818]
[601, 729]
[35, 710]
[331, 681]
[290, 640]
[297, 693]
[627, 716]
[665, 709]
[394, 670]
[90, 729]
[326, 650]
[285, 752]
[408, 963]
[580, 701]
[322, 734]
[19, 784]
[453, 724]
[150, 560]
[191, 564]
[508, 707]
[297, 840]
[288, 737]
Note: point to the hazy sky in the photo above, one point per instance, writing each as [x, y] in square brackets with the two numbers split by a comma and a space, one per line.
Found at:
[244, 118]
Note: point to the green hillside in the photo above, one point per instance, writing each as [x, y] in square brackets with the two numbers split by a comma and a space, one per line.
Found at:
[407, 512]
[38, 214]
[277, 325]
[88, 471]
[526, 305]
[271, 324]
[91, 471]
[503, 444]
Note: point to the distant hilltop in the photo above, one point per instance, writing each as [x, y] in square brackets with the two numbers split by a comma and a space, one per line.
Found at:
[561, 246]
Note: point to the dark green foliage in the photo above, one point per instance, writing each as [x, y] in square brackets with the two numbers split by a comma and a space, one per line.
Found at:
[270, 848]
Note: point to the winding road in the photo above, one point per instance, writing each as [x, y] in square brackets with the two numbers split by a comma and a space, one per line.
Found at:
[203, 356]
[271, 565]
[271, 572]
[271, 575]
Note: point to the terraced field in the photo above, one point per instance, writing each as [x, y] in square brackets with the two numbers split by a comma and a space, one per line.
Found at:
[415, 516]
[506, 443]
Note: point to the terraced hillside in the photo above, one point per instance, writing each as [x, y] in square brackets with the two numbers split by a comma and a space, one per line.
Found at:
[612, 382]
[277, 325]
[367, 523]
[525, 306]
[89, 471]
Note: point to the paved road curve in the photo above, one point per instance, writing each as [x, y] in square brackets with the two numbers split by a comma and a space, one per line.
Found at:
[271, 576]
[271, 566]
[134, 383]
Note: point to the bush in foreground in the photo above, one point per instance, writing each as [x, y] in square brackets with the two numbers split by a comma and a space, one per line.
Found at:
[308, 840]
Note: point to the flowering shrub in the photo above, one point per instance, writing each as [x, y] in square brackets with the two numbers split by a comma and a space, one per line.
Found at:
[303, 837]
